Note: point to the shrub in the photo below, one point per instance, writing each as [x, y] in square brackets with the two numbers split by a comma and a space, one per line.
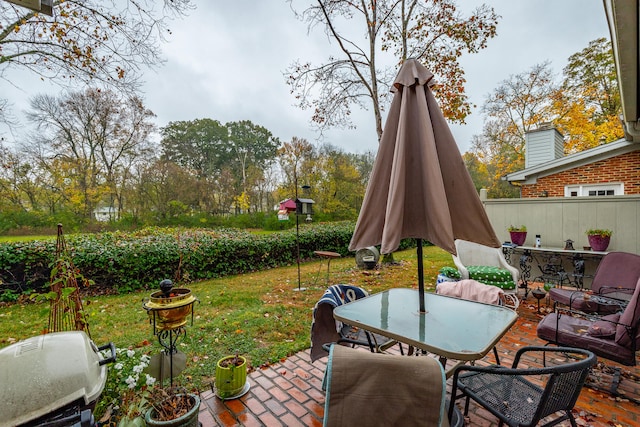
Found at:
[128, 261]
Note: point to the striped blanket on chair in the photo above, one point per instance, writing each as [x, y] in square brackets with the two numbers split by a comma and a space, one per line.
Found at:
[324, 328]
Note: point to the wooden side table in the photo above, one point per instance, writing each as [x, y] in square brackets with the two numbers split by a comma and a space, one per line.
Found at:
[328, 255]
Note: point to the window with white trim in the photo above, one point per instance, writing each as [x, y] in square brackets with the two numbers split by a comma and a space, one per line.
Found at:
[591, 190]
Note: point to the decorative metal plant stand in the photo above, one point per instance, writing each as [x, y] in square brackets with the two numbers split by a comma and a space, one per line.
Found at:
[168, 309]
[538, 294]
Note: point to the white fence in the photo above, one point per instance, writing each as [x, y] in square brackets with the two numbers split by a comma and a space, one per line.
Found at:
[557, 219]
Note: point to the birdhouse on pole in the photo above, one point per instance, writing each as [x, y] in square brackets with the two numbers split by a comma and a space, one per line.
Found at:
[304, 207]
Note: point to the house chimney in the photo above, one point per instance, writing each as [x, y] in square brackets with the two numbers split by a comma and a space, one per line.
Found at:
[543, 145]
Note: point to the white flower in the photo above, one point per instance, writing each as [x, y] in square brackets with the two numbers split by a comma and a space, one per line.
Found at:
[118, 366]
[131, 381]
[145, 359]
[131, 353]
[138, 368]
[150, 380]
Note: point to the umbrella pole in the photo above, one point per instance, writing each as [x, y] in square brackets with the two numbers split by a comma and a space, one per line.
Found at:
[420, 275]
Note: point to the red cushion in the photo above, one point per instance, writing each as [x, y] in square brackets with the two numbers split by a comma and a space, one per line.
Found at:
[604, 328]
[617, 269]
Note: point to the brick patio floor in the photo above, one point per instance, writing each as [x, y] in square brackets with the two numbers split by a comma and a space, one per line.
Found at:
[290, 393]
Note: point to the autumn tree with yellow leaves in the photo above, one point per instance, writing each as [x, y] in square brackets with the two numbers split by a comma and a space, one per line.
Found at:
[588, 106]
[584, 107]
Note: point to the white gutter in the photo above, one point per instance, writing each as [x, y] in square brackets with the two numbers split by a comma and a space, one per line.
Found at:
[622, 17]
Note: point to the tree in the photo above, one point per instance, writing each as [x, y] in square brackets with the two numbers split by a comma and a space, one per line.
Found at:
[252, 146]
[86, 40]
[90, 141]
[339, 187]
[206, 147]
[200, 145]
[591, 75]
[588, 105]
[478, 171]
[511, 110]
[166, 190]
[292, 157]
[432, 31]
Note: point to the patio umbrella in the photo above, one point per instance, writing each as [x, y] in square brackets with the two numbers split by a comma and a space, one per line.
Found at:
[419, 186]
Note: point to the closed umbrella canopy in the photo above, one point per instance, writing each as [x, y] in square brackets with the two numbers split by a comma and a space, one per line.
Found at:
[419, 186]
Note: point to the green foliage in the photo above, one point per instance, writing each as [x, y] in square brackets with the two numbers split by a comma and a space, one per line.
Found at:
[128, 388]
[256, 315]
[124, 262]
[272, 223]
[516, 228]
[599, 232]
[9, 295]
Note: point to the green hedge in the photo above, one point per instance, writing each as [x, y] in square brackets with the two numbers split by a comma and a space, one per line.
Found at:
[129, 261]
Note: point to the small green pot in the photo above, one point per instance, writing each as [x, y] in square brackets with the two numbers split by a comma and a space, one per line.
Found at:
[230, 380]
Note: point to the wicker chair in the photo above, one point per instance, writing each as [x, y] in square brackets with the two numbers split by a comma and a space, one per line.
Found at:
[472, 258]
[512, 394]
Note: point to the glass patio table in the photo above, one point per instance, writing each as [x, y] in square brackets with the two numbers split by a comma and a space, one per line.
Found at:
[451, 328]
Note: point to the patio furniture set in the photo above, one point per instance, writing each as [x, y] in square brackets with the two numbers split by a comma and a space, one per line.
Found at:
[602, 322]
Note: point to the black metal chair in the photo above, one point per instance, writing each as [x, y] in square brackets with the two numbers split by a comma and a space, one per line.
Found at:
[325, 329]
[513, 394]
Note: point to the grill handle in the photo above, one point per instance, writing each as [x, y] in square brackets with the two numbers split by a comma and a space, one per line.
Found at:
[111, 359]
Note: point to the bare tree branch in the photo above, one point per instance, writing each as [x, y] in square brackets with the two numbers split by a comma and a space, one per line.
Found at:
[432, 31]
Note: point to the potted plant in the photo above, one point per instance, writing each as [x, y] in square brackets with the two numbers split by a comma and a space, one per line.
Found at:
[599, 238]
[231, 377]
[518, 234]
[128, 390]
[173, 407]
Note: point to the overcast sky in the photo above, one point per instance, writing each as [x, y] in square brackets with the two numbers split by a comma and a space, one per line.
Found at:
[226, 61]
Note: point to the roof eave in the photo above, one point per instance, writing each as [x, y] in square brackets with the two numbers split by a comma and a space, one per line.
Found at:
[601, 152]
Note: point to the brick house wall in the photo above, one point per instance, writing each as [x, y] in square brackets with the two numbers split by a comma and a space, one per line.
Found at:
[623, 168]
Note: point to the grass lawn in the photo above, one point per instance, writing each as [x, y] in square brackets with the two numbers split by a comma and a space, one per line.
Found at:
[258, 315]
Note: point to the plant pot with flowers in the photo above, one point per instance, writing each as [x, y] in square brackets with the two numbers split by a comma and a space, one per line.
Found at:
[599, 238]
[231, 377]
[518, 234]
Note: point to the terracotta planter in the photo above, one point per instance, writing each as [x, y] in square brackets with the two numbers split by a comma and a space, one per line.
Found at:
[230, 380]
[599, 243]
[518, 237]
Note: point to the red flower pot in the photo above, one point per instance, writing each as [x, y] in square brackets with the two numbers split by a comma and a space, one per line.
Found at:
[518, 237]
[599, 243]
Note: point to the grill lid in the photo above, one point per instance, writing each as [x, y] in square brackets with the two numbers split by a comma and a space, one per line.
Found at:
[44, 373]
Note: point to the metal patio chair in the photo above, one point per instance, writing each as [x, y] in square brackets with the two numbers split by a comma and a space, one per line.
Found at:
[514, 394]
[614, 337]
[616, 275]
[370, 389]
[326, 330]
